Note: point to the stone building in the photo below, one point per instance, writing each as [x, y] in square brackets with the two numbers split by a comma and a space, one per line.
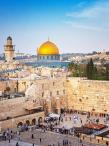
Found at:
[9, 50]
[42, 96]
[13, 112]
[48, 51]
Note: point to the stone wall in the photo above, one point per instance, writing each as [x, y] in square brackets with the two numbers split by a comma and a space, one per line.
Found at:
[89, 95]
[12, 107]
[11, 84]
[13, 123]
[12, 111]
[73, 93]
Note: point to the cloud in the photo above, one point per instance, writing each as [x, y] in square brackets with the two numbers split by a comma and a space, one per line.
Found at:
[87, 27]
[94, 17]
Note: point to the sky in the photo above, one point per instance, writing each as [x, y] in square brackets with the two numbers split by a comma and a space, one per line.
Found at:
[75, 26]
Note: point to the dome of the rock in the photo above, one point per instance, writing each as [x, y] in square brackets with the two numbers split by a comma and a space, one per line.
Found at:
[48, 51]
[48, 48]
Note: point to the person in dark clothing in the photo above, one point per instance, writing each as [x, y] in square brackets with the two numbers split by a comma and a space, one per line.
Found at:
[9, 140]
[106, 143]
[40, 140]
[66, 142]
[63, 143]
[17, 144]
[70, 143]
[32, 136]
[80, 141]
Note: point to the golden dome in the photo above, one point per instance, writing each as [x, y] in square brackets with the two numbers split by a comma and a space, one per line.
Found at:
[48, 48]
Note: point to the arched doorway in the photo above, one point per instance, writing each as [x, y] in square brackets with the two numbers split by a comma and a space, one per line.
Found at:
[28, 122]
[33, 121]
[19, 124]
[40, 120]
[62, 110]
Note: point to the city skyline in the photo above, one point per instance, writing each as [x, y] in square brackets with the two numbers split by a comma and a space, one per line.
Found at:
[74, 25]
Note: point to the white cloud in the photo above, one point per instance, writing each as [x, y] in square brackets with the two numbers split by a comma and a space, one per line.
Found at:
[87, 27]
[95, 17]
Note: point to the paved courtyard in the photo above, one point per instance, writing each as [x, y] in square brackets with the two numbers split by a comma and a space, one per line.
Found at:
[13, 143]
[49, 138]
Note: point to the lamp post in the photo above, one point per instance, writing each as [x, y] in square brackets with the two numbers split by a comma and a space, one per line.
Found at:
[0, 127]
[13, 123]
[17, 84]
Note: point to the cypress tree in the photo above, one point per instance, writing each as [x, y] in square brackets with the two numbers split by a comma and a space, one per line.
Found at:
[90, 69]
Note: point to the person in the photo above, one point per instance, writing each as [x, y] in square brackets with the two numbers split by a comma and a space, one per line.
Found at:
[106, 143]
[40, 140]
[70, 143]
[9, 140]
[17, 144]
[33, 144]
[80, 141]
[63, 143]
[5, 136]
[32, 136]
[59, 118]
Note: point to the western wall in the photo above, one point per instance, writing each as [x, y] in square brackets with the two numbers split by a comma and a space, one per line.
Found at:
[88, 95]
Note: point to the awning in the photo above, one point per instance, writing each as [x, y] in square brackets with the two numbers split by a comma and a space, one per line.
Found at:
[32, 107]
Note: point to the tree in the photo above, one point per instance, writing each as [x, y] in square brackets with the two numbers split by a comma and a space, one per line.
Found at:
[17, 86]
[90, 69]
[70, 66]
[107, 73]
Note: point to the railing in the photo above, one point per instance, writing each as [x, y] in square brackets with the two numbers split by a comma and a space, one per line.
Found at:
[7, 97]
[26, 114]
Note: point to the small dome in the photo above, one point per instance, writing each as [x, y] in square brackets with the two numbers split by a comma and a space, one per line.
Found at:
[48, 48]
[9, 38]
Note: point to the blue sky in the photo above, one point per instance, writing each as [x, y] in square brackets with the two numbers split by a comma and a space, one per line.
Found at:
[74, 25]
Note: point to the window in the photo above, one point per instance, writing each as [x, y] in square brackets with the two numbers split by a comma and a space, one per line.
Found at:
[57, 92]
[80, 100]
[50, 93]
[52, 57]
[42, 94]
[63, 91]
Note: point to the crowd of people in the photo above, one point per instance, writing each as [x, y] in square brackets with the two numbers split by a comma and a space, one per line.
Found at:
[48, 125]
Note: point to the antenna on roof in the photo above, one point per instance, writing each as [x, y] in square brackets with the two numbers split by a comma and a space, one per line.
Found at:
[48, 38]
